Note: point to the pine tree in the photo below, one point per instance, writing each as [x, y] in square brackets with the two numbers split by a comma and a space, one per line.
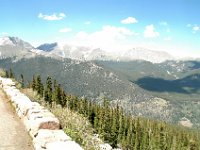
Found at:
[41, 90]
[22, 81]
[48, 90]
[121, 128]
[49, 84]
[7, 74]
[62, 98]
[55, 84]
[58, 97]
[11, 74]
[96, 118]
[114, 132]
[39, 86]
[92, 113]
[33, 85]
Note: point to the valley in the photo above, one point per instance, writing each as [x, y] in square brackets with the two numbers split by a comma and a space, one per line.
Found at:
[167, 90]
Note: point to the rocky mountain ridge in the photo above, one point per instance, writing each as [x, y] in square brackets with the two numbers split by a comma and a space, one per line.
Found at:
[17, 46]
[89, 53]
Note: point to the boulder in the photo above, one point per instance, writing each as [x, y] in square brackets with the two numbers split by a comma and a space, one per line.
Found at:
[45, 136]
[22, 106]
[19, 100]
[36, 108]
[68, 145]
[41, 114]
[7, 81]
[27, 124]
[105, 146]
[50, 123]
[38, 147]
[13, 89]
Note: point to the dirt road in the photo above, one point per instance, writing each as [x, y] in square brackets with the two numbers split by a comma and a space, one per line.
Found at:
[13, 135]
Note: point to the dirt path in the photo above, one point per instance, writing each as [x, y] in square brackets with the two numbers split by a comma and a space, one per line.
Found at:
[13, 135]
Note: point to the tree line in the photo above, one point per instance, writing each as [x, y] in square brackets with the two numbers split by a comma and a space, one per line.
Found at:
[115, 126]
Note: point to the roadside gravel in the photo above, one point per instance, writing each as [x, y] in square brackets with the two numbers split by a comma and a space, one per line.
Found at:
[13, 135]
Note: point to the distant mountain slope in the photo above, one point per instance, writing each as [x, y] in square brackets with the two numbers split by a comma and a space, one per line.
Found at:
[94, 82]
[14, 41]
[145, 54]
[47, 47]
[169, 70]
[89, 53]
[164, 78]
[13, 46]
[178, 82]
[75, 52]
[80, 78]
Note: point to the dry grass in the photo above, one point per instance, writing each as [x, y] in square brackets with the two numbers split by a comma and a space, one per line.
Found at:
[77, 126]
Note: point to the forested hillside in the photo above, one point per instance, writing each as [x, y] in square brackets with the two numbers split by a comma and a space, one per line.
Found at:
[78, 77]
[113, 125]
[178, 82]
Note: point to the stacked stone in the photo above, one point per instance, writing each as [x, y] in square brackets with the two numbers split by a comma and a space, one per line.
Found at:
[41, 124]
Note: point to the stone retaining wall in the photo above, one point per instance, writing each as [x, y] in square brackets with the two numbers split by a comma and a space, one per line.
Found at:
[41, 124]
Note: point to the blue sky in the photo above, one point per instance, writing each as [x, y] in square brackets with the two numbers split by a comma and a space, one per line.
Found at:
[171, 25]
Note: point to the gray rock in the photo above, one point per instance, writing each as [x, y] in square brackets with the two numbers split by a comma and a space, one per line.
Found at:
[68, 145]
[46, 136]
[51, 123]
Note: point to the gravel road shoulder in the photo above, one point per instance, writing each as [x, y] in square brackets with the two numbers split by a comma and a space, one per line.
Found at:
[13, 135]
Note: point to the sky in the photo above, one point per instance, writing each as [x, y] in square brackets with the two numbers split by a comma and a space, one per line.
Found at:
[168, 25]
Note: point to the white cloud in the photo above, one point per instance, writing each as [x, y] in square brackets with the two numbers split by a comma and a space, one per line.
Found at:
[150, 32]
[129, 20]
[195, 28]
[52, 17]
[82, 35]
[64, 30]
[87, 22]
[108, 33]
[109, 37]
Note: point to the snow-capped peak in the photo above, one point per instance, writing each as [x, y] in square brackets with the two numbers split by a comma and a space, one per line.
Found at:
[14, 41]
[6, 41]
[92, 53]
[146, 54]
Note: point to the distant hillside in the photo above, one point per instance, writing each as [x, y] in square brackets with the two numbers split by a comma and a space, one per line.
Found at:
[178, 82]
[94, 82]
[80, 78]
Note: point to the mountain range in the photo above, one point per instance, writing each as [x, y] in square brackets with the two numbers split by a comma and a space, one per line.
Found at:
[82, 52]
[89, 53]
[144, 82]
